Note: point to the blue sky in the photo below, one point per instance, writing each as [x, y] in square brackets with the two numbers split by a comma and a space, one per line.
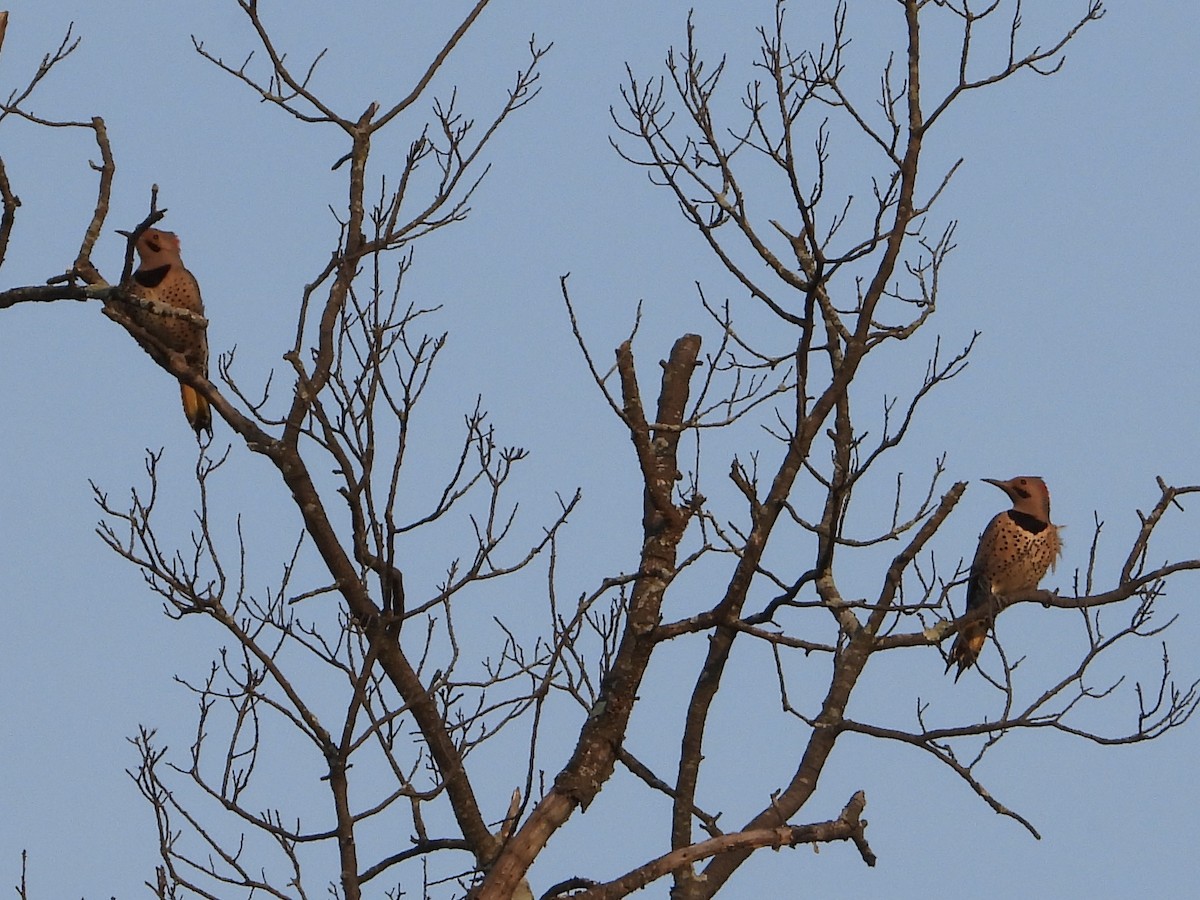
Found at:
[1075, 207]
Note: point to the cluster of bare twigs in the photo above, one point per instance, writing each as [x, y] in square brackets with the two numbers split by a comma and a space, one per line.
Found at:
[359, 682]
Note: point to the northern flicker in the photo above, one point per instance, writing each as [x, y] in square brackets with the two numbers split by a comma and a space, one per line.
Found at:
[1014, 552]
[161, 277]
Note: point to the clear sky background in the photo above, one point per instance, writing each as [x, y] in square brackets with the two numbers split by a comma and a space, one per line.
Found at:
[1077, 206]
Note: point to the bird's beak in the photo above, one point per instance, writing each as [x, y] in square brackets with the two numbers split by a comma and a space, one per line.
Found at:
[125, 234]
[1003, 485]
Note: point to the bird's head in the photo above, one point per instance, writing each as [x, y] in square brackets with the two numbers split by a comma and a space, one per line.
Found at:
[156, 246]
[1028, 493]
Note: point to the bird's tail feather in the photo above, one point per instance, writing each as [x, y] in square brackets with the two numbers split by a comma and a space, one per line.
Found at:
[197, 410]
[966, 648]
